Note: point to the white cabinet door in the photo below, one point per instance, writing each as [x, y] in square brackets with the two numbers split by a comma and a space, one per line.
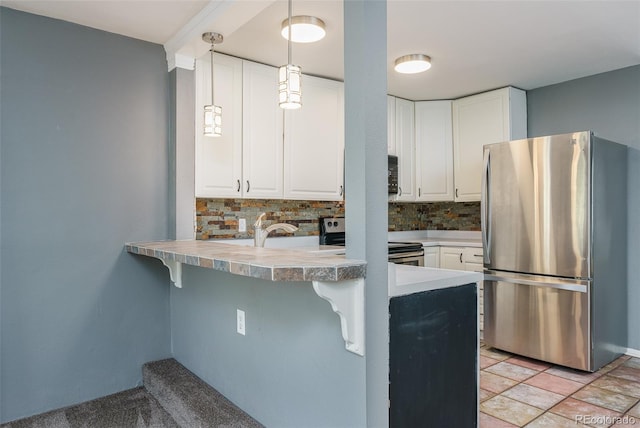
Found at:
[262, 123]
[473, 261]
[218, 169]
[314, 143]
[405, 149]
[432, 257]
[486, 118]
[472, 258]
[391, 125]
[434, 151]
[451, 258]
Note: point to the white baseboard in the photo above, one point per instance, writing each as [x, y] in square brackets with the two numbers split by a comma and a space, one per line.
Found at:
[633, 352]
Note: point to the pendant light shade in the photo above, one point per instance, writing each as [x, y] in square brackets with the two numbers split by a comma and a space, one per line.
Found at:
[212, 121]
[289, 90]
[212, 112]
[411, 64]
[290, 78]
[305, 29]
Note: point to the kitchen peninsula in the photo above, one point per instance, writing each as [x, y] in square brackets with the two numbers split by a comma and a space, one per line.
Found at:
[414, 294]
[338, 280]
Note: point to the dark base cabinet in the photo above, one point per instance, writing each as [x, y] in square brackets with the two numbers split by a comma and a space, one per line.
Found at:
[433, 359]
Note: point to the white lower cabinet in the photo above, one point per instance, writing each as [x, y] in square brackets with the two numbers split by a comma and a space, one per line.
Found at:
[451, 258]
[432, 257]
[473, 261]
[464, 258]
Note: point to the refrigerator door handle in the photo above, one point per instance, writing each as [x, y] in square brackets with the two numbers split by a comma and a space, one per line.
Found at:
[485, 214]
[557, 283]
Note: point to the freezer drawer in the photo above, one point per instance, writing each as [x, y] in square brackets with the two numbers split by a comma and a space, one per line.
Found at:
[546, 320]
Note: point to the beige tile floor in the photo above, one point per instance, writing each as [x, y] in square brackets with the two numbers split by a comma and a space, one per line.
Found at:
[521, 392]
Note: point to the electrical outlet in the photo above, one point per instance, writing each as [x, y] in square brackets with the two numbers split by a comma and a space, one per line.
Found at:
[240, 322]
[242, 225]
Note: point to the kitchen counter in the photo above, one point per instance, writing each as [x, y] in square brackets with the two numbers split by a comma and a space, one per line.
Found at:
[338, 280]
[406, 279]
[273, 264]
[439, 238]
[450, 242]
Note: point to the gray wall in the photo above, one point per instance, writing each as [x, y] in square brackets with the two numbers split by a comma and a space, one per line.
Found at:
[84, 168]
[609, 105]
[290, 370]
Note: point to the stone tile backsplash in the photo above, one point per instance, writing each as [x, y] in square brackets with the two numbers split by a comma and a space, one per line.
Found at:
[218, 218]
[434, 216]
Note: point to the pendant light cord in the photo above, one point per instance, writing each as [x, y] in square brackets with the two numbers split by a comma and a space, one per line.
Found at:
[289, 36]
[212, 71]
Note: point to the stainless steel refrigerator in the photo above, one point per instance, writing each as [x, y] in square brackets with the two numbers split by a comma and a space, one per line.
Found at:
[554, 230]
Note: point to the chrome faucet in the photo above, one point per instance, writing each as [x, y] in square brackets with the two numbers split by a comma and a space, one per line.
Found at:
[260, 234]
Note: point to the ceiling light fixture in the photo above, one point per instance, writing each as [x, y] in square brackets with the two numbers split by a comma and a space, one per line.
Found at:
[212, 112]
[306, 29]
[414, 63]
[289, 79]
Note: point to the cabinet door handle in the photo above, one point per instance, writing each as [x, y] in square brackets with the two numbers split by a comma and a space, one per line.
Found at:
[341, 190]
[248, 186]
[419, 191]
[477, 255]
[456, 192]
[399, 191]
[460, 257]
[238, 189]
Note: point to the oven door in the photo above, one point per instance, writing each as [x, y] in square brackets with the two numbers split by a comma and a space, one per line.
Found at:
[414, 258]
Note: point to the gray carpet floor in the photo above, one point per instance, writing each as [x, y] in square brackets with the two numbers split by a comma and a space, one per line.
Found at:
[189, 400]
[134, 408]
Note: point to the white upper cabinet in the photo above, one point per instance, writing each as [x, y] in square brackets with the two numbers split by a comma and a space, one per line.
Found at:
[262, 124]
[218, 167]
[255, 157]
[434, 151]
[391, 125]
[314, 143]
[486, 118]
[405, 150]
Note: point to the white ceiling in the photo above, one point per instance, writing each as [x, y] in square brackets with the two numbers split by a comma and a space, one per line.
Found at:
[474, 45]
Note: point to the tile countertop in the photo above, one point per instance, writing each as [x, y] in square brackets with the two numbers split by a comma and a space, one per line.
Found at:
[442, 238]
[273, 264]
[406, 279]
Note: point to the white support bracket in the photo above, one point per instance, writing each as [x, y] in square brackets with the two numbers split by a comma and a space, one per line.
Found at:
[175, 271]
[347, 300]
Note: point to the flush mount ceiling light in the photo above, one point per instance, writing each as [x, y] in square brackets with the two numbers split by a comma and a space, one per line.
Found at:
[289, 79]
[306, 29]
[212, 112]
[414, 63]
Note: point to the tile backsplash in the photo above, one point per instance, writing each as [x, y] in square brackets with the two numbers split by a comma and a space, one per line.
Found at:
[218, 218]
[434, 216]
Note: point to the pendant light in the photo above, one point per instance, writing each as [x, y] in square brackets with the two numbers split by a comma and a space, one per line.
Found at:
[212, 112]
[289, 88]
